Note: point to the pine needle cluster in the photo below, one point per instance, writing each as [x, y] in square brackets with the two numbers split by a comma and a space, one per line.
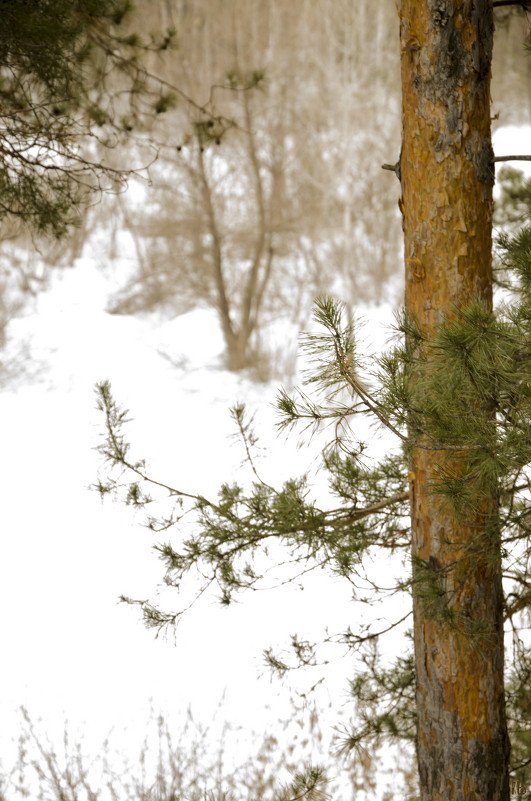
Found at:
[72, 84]
[464, 393]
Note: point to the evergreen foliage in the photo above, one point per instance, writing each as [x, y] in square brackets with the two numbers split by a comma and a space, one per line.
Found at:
[71, 82]
[427, 393]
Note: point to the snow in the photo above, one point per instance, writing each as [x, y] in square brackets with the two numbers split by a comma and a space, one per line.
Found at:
[69, 649]
[513, 140]
[73, 651]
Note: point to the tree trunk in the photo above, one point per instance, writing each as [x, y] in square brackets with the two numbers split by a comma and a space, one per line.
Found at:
[447, 172]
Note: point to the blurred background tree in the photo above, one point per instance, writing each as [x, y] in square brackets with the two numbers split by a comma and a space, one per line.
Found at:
[257, 219]
[72, 85]
[267, 189]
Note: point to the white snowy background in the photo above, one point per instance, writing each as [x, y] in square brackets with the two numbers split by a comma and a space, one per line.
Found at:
[69, 649]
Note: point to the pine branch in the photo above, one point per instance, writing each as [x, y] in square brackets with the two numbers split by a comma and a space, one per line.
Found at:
[358, 514]
[115, 448]
[309, 784]
[396, 167]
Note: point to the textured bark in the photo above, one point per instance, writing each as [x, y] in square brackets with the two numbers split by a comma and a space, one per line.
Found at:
[446, 172]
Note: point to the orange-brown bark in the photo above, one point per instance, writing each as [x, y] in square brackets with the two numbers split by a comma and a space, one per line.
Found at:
[446, 172]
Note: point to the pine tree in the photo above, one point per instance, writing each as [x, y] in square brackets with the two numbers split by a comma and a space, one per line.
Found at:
[456, 393]
[447, 174]
[71, 86]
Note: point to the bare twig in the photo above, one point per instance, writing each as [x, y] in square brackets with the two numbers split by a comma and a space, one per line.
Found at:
[512, 158]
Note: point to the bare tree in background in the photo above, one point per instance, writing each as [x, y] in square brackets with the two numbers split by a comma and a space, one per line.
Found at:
[258, 214]
[292, 203]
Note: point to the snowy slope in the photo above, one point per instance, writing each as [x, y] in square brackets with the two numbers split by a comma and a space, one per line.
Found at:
[69, 649]
[73, 652]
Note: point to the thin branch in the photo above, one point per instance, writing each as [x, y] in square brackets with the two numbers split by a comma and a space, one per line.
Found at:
[396, 167]
[250, 296]
[520, 602]
[344, 639]
[223, 302]
[522, 764]
[117, 455]
[247, 445]
[523, 3]
[374, 406]
[512, 158]
[359, 514]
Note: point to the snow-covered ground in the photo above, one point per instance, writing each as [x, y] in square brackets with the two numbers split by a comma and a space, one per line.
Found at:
[69, 649]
